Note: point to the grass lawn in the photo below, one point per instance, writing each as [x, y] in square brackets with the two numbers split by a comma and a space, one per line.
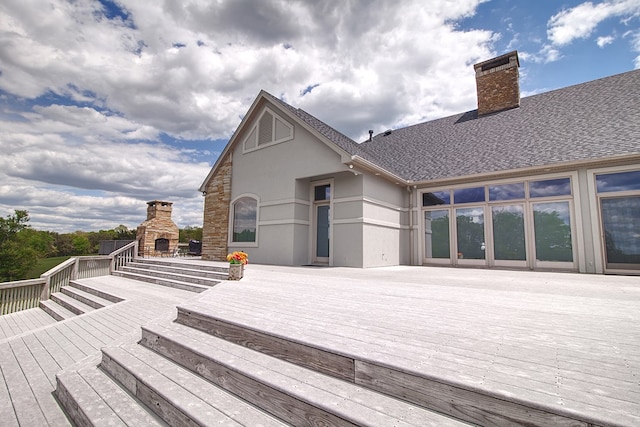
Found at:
[45, 264]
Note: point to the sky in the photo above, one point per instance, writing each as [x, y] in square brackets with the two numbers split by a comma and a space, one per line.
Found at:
[105, 105]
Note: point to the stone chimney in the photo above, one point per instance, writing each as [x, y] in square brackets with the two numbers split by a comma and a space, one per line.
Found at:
[158, 235]
[498, 83]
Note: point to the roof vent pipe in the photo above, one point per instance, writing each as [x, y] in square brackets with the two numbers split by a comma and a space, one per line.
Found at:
[370, 134]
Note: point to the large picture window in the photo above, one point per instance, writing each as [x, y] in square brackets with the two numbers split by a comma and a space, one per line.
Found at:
[525, 223]
[245, 218]
[619, 195]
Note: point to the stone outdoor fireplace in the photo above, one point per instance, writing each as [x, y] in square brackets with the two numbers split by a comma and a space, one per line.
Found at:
[158, 235]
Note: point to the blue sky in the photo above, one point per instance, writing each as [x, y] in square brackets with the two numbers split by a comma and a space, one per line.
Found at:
[105, 105]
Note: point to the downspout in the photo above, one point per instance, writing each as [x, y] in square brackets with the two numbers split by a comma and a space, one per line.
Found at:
[410, 190]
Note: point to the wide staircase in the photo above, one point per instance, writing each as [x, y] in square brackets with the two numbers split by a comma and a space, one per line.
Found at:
[203, 370]
[76, 299]
[187, 276]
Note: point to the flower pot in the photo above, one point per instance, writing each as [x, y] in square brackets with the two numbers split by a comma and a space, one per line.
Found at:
[236, 271]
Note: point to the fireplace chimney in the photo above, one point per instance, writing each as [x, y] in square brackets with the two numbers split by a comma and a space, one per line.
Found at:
[158, 235]
[497, 81]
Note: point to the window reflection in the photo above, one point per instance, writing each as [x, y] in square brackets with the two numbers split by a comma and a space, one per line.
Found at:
[322, 192]
[436, 229]
[508, 233]
[470, 230]
[245, 214]
[552, 228]
[436, 198]
[550, 187]
[468, 195]
[506, 192]
[621, 223]
[622, 181]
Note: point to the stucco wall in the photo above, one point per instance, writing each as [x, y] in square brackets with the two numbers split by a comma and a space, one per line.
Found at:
[385, 220]
[281, 177]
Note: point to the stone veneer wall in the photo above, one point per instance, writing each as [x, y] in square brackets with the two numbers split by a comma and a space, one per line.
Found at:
[215, 227]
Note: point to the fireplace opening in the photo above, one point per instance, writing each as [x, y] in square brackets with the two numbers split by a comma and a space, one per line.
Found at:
[162, 245]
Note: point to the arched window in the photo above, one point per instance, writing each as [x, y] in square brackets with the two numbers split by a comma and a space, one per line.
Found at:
[245, 219]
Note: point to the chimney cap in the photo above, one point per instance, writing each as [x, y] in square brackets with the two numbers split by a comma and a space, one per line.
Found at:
[497, 61]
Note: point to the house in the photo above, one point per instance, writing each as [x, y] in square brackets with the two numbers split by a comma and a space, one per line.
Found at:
[550, 181]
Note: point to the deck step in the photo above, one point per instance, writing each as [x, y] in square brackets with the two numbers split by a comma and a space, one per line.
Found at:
[219, 273]
[290, 392]
[94, 291]
[195, 266]
[55, 310]
[91, 398]
[178, 396]
[70, 303]
[180, 275]
[192, 287]
[87, 298]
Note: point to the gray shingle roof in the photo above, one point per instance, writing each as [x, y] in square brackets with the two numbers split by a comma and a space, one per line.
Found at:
[593, 120]
[589, 121]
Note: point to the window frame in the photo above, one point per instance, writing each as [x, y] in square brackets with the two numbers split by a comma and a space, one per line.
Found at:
[595, 200]
[232, 207]
[526, 201]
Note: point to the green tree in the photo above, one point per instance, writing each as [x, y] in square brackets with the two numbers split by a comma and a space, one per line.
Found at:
[470, 237]
[16, 258]
[553, 237]
[190, 233]
[64, 244]
[40, 241]
[121, 232]
[81, 244]
[508, 235]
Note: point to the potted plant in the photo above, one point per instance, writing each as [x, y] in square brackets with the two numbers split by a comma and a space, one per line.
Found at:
[237, 261]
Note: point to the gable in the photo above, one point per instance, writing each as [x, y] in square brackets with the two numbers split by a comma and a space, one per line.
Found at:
[269, 129]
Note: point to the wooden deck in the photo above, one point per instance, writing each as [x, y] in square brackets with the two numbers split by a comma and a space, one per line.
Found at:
[31, 358]
[560, 349]
[548, 348]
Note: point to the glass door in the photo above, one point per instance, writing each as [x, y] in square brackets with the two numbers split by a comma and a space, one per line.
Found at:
[470, 236]
[322, 223]
[322, 233]
[437, 236]
[552, 235]
[619, 199]
[621, 229]
[508, 231]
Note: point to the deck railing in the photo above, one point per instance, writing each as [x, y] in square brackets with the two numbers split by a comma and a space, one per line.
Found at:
[120, 257]
[20, 295]
[25, 294]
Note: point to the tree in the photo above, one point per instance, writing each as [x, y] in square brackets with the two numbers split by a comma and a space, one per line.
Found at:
[190, 233]
[81, 243]
[553, 237]
[121, 232]
[16, 258]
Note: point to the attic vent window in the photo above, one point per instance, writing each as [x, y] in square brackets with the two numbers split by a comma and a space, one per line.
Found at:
[495, 64]
[268, 130]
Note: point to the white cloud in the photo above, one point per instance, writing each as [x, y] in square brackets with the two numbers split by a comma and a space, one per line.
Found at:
[604, 40]
[580, 21]
[190, 70]
[636, 48]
